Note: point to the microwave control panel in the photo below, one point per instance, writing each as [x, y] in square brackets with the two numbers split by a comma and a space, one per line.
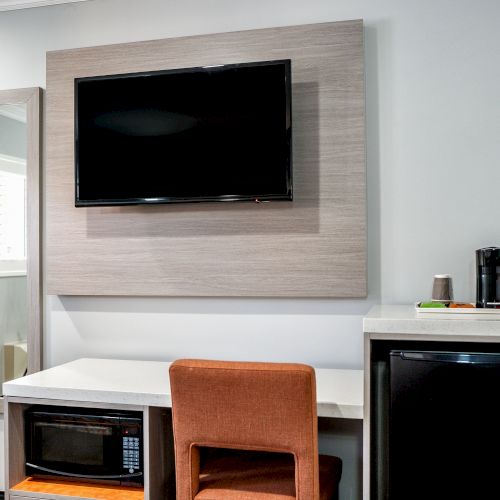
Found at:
[131, 451]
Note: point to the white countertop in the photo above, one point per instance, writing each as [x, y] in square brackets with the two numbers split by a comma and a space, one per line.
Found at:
[404, 319]
[146, 383]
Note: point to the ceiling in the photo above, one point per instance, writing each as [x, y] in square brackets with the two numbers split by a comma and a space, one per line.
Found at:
[26, 4]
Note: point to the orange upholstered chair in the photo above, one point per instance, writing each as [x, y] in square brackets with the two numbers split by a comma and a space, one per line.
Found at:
[267, 409]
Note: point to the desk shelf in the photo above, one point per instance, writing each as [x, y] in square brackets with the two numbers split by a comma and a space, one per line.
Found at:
[159, 474]
[37, 488]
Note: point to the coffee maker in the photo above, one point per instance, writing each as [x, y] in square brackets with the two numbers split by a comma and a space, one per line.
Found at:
[488, 277]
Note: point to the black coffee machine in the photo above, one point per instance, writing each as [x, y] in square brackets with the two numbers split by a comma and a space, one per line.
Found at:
[488, 277]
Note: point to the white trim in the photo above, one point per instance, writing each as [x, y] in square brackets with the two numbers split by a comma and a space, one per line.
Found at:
[14, 111]
[12, 164]
[12, 274]
[11, 268]
[27, 4]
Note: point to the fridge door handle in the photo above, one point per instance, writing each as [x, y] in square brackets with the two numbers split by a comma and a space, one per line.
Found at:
[452, 357]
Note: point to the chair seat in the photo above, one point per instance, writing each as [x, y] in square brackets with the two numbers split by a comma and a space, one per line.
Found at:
[237, 475]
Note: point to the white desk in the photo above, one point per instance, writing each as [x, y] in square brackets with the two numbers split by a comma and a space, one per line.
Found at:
[146, 383]
[142, 386]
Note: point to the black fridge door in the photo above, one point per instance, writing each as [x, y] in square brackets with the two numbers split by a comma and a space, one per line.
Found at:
[444, 425]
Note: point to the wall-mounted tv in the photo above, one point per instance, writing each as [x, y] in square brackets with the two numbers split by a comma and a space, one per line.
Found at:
[212, 133]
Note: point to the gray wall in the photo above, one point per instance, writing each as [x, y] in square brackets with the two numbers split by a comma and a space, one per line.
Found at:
[12, 310]
[433, 156]
[12, 313]
[12, 137]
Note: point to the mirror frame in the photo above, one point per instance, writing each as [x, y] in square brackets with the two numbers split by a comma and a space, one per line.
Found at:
[32, 97]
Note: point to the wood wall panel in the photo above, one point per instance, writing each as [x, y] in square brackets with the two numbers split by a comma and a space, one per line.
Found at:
[314, 246]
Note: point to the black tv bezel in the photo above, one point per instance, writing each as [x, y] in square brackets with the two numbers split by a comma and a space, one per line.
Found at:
[288, 196]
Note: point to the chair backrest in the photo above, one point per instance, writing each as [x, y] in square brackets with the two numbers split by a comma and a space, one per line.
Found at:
[244, 405]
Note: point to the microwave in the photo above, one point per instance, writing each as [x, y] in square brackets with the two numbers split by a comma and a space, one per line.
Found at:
[85, 445]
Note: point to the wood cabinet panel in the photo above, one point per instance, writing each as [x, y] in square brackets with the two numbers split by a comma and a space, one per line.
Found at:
[314, 246]
[61, 489]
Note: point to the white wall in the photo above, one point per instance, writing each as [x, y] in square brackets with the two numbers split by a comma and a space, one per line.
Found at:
[432, 78]
[12, 137]
[12, 311]
[433, 159]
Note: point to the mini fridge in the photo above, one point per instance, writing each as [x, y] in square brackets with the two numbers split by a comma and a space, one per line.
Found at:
[444, 425]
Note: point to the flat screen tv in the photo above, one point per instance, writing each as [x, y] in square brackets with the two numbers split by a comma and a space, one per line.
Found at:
[213, 133]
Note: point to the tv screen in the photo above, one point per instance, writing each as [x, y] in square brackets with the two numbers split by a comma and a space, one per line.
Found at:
[213, 133]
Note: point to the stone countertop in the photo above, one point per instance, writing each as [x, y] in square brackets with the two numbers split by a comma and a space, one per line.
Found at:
[146, 383]
[404, 319]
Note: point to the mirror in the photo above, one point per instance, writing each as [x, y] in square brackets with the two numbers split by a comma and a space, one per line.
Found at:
[20, 292]
[13, 292]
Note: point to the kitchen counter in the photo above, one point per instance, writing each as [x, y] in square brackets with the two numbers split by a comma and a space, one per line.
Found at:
[388, 327]
[404, 319]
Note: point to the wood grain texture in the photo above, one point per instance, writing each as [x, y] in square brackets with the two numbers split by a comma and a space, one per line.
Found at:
[314, 246]
[13, 444]
[17, 96]
[28, 495]
[159, 454]
[78, 490]
[34, 229]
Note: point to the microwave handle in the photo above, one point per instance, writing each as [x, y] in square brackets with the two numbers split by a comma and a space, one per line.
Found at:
[83, 476]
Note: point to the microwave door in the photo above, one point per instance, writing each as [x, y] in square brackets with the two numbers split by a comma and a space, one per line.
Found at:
[53, 472]
[81, 448]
